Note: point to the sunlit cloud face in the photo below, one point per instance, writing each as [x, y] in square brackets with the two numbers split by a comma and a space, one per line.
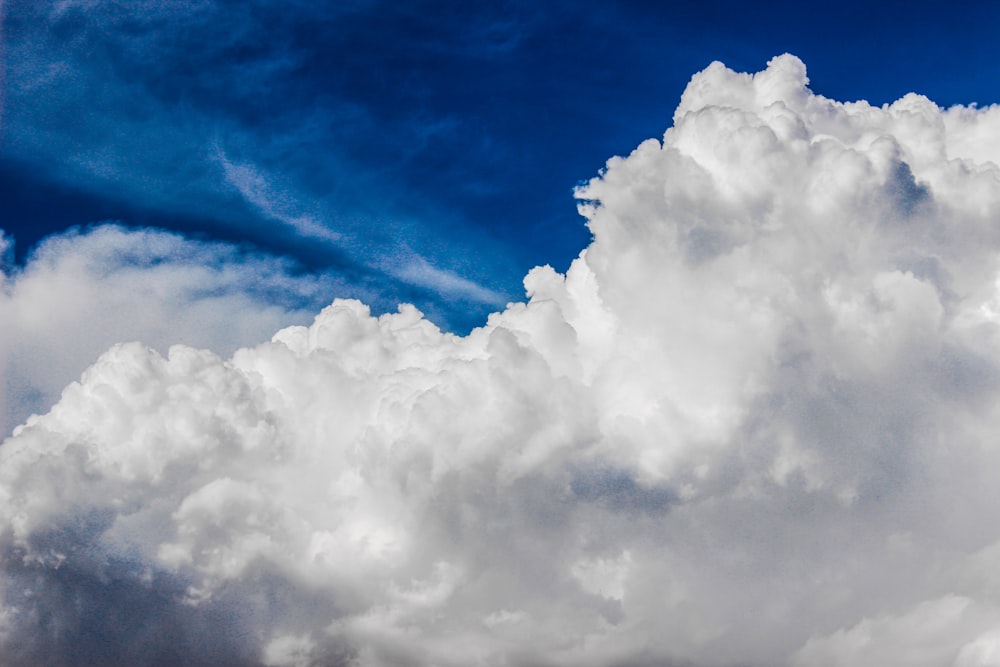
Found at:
[83, 290]
[754, 423]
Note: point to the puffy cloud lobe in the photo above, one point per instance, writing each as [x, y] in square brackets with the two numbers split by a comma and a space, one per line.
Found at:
[84, 290]
[753, 423]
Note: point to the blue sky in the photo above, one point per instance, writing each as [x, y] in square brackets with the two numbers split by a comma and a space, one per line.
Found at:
[418, 151]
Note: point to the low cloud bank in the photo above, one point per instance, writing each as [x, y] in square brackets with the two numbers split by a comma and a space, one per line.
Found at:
[81, 291]
[754, 423]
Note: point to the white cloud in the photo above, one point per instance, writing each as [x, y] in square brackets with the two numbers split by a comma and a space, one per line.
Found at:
[274, 203]
[754, 423]
[933, 633]
[415, 270]
[80, 292]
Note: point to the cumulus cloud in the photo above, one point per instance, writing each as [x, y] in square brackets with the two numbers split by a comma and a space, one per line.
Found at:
[754, 423]
[84, 290]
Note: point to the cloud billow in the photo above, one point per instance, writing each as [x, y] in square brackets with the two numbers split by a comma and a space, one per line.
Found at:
[754, 423]
[83, 289]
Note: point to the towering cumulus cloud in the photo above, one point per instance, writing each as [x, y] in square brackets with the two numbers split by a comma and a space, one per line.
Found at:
[757, 422]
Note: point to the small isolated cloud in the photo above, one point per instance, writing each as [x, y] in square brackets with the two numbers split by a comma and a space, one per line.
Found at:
[414, 270]
[273, 202]
[754, 423]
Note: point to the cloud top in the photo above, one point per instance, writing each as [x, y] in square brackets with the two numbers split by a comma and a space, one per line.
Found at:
[82, 290]
[753, 423]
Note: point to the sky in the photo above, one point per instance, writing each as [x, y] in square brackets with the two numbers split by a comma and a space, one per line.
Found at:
[510, 333]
